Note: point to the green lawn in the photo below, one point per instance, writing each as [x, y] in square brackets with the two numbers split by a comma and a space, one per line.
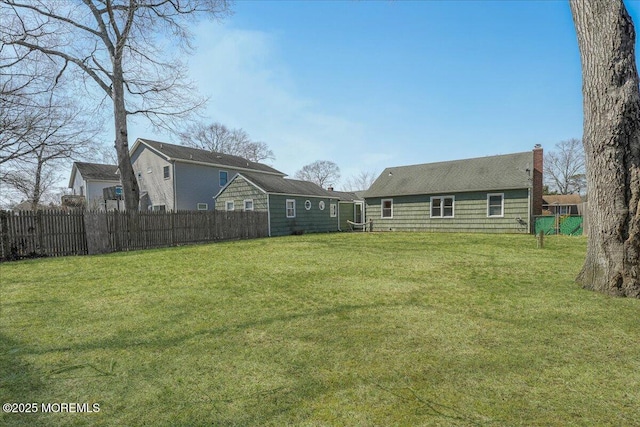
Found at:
[379, 329]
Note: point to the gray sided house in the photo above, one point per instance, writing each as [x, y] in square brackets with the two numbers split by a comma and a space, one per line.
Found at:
[174, 177]
[89, 179]
[293, 206]
[497, 194]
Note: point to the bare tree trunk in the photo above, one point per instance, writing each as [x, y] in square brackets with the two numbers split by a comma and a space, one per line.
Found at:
[127, 175]
[37, 191]
[611, 139]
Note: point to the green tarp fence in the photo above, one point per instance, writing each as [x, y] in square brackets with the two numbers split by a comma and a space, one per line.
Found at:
[569, 225]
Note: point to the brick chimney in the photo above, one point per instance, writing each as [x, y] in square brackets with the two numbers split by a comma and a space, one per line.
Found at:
[330, 188]
[538, 161]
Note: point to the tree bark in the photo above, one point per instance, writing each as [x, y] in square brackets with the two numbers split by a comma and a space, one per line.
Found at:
[128, 178]
[606, 38]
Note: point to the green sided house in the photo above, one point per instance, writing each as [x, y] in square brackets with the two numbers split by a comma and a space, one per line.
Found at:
[496, 194]
[293, 206]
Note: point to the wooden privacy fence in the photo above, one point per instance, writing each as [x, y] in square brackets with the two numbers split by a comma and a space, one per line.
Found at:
[41, 233]
[59, 233]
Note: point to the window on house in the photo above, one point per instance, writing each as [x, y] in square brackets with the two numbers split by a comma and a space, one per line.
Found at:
[248, 205]
[159, 208]
[165, 171]
[223, 178]
[307, 205]
[229, 205]
[442, 207]
[291, 208]
[495, 205]
[333, 210]
[321, 205]
[387, 208]
[203, 206]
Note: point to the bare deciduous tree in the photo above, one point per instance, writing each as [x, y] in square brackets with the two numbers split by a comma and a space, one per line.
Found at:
[361, 181]
[564, 167]
[121, 46]
[61, 134]
[218, 138]
[611, 98]
[321, 172]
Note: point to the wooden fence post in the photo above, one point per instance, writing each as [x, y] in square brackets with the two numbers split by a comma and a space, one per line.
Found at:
[4, 234]
[97, 233]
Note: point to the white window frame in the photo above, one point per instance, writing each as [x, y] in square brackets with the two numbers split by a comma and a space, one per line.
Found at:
[159, 208]
[321, 205]
[248, 202]
[307, 205]
[382, 202]
[226, 179]
[501, 195]
[442, 199]
[202, 206]
[229, 206]
[290, 208]
[333, 210]
[166, 172]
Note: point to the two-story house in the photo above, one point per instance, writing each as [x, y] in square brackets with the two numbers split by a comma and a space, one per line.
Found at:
[174, 177]
[88, 181]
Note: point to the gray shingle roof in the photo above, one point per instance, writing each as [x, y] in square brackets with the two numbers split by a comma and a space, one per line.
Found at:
[188, 154]
[292, 187]
[98, 172]
[503, 172]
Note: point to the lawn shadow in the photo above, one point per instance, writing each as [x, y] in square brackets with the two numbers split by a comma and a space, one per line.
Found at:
[19, 383]
[271, 405]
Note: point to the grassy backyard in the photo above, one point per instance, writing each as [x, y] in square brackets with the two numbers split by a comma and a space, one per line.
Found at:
[326, 330]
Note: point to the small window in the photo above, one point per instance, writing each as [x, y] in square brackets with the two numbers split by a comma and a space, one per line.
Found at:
[159, 208]
[495, 205]
[291, 208]
[387, 208]
[223, 178]
[442, 207]
[333, 210]
[248, 205]
[307, 205]
[321, 205]
[165, 171]
[229, 205]
[203, 206]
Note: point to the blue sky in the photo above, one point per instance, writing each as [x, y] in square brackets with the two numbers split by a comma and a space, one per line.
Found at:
[371, 84]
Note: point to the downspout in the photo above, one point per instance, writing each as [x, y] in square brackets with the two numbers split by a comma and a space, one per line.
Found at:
[175, 186]
[268, 216]
[531, 230]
